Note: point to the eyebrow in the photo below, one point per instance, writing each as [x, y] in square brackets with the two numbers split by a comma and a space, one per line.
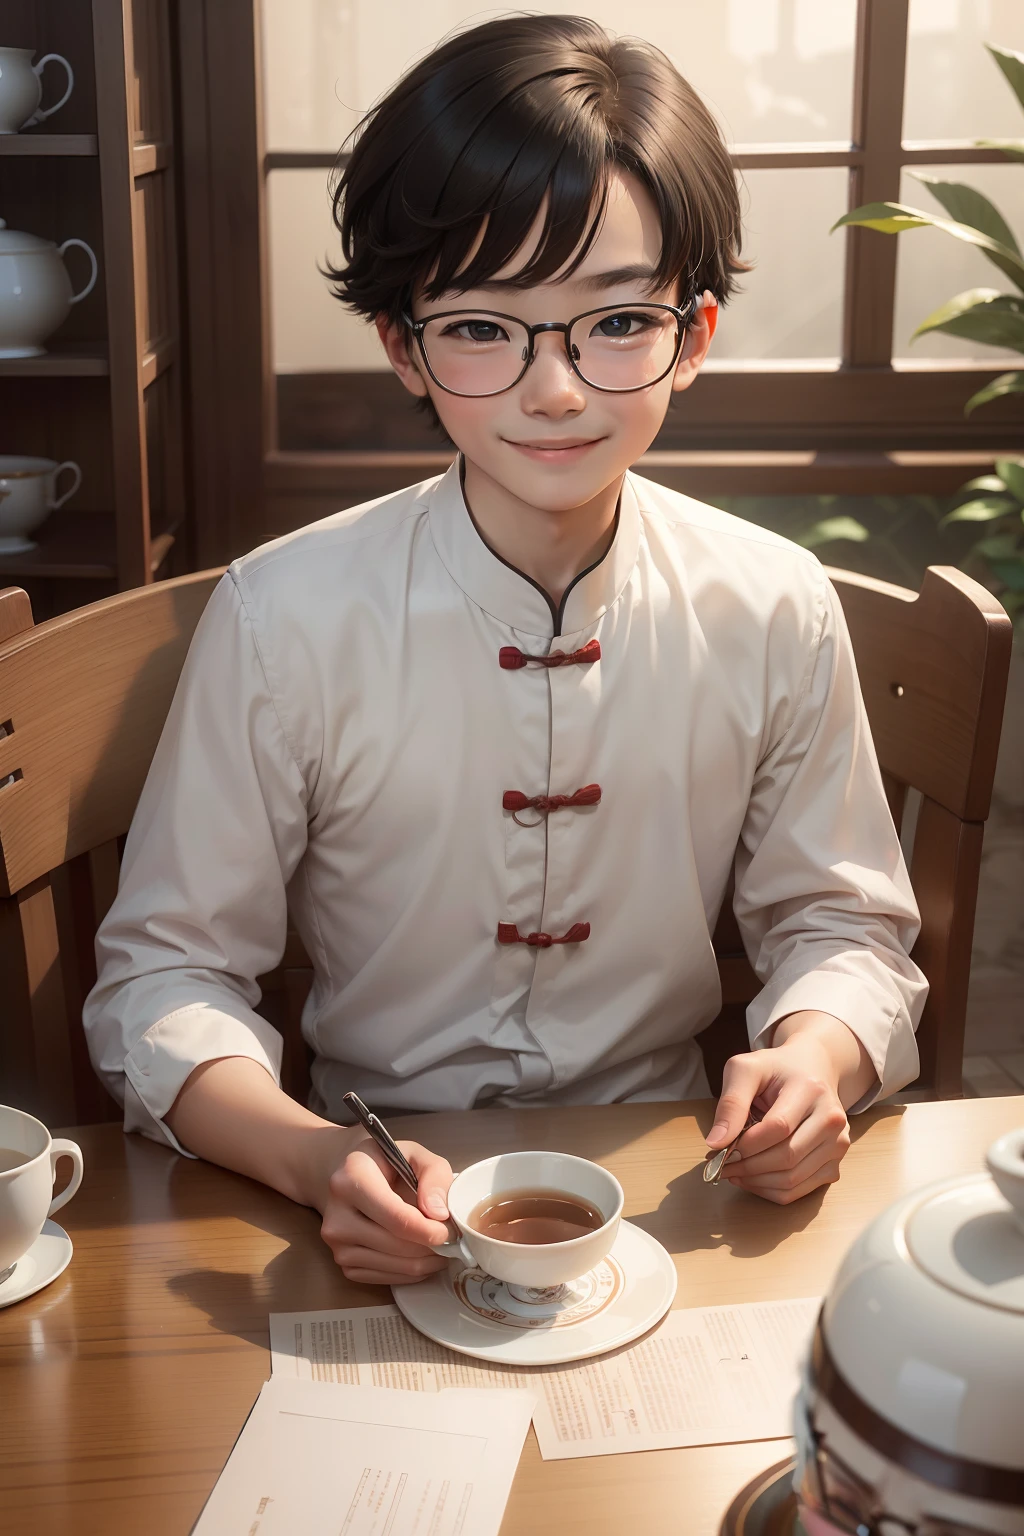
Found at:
[636, 272]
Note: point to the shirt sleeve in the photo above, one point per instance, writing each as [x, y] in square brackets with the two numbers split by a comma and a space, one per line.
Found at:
[823, 898]
[201, 910]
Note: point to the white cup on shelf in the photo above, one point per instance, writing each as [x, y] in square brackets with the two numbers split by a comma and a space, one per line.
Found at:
[28, 494]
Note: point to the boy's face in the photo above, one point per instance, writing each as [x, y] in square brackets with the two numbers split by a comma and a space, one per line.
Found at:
[552, 441]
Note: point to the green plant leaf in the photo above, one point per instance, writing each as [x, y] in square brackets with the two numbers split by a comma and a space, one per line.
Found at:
[1002, 546]
[1014, 148]
[832, 528]
[1011, 473]
[983, 509]
[969, 206]
[983, 483]
[1005, 384]
[981, 314]
[1011, 572]
[894, 218]
[1012, 66]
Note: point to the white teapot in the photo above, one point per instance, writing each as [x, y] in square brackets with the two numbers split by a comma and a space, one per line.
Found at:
[21, 88]
[910, 1416]
[35, 290]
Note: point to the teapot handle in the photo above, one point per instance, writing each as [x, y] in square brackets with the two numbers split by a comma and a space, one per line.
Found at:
[90, 285]
[42, 114]
[1005, 1162]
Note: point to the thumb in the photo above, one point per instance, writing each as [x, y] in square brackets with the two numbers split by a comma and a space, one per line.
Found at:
[434, 1176]
[741, 1081]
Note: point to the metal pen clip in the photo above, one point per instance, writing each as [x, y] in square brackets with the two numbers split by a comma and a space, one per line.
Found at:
[716, 1161]
[384, 1139]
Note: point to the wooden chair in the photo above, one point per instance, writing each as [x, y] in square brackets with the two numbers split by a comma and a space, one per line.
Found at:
[83, 698]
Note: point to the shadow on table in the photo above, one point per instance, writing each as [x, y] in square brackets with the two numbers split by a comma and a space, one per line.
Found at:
[694, 1215]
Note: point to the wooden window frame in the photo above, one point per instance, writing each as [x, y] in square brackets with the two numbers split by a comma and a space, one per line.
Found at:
[861, 424]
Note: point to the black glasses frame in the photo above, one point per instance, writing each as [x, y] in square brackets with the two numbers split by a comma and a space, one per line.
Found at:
[684, 319]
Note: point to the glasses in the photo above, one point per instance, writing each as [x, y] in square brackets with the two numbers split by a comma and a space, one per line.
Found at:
[618, 348]
[835, 1492]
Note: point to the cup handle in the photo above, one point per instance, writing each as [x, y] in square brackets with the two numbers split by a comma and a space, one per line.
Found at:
[90, 285]
[60, 500]
[42, 114]
[456, 1250]
[62, 1148]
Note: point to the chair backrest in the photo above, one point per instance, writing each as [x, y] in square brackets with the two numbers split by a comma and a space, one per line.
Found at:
[83, 698]
[933, 667]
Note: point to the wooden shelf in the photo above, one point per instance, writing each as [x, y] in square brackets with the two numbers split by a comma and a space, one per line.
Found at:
[78, 545]
[88, 361]
[48, 144]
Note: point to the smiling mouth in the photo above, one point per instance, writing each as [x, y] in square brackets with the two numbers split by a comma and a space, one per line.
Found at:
[556, 447]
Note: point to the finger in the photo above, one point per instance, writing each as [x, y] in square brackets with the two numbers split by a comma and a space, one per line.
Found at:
[828, 1174]
[365, 1183]
[358, 1263]
[348, 1227]
[434, 1177]
[742, 1080]
[825, 1129]
[793, 1104]
[789, 1178]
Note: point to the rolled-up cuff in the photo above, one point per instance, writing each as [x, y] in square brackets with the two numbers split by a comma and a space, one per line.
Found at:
[868, 1009]
[161, 1061]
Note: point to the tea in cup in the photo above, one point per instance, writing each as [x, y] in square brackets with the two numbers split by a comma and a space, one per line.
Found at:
[534, 1219]
[28, 1165]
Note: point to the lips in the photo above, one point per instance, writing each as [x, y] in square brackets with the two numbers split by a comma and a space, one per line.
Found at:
[555, 445]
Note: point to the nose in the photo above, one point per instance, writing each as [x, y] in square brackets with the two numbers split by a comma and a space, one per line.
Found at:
[549, 387]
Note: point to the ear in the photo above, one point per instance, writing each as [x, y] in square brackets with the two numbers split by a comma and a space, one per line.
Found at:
[398, 343]
[697, 341]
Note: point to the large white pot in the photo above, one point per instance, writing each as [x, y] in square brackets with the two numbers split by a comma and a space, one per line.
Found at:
[35, 291]
[912, 1405]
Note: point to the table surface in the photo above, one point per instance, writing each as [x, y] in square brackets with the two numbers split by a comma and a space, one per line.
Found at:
[124, 1384]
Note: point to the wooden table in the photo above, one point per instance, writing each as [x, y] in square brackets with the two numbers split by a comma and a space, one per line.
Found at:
[124, 1384]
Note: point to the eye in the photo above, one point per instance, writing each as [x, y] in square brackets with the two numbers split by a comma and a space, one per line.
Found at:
[479, 330]
[625, 323]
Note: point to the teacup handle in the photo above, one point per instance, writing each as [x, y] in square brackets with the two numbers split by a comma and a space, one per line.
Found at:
[456, 1249]
[91, 284]
[60, 500]
[42, 114]
[62, 1148]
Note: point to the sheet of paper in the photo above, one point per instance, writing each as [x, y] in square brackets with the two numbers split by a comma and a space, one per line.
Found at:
[705, 1376]
[369, 1461]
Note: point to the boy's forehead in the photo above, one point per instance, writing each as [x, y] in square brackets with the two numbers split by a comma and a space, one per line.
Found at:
[626, 247]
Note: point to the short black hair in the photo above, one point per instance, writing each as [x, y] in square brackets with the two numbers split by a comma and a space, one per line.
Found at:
[503, 116]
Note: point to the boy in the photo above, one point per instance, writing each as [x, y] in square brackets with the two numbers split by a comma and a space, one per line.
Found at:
[503, 737]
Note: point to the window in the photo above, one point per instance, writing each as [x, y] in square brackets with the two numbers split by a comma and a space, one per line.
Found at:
[811, 384]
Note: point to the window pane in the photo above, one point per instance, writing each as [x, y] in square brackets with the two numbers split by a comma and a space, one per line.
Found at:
[932, 266]
[310, 331]
[773, 70]
[791, 304]
[954, 89]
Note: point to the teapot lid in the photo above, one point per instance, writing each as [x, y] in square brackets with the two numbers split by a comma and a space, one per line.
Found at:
[19, 240]
[970, 1238]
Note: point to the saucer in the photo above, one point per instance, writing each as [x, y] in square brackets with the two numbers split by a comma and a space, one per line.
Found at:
[48, 1257]
[474, 1314]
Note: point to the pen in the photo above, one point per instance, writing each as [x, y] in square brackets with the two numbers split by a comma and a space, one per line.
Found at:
[384, 1139]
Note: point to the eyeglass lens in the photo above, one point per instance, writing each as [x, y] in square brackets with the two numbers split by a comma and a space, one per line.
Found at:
[477, 353]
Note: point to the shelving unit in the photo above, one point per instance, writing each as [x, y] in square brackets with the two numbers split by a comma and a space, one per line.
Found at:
[108, 392]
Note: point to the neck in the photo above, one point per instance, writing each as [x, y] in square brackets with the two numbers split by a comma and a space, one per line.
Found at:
[549, 547]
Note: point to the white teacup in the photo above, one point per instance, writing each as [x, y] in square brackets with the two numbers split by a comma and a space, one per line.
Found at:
[26, 1190]
[28, 494]
[538, 1266]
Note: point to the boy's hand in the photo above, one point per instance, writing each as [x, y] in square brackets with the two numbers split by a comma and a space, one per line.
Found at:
[378, 1231]
[804, 1133]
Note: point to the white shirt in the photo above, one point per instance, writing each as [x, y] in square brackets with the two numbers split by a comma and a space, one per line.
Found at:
[340, 746]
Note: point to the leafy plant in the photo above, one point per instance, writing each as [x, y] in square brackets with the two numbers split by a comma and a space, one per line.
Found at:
[995, 503]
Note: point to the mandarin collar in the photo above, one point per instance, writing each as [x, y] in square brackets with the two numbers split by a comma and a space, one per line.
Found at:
[505, 593]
